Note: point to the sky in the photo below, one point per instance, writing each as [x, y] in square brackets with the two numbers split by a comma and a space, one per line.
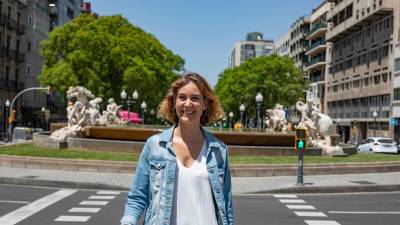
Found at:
[203, 32]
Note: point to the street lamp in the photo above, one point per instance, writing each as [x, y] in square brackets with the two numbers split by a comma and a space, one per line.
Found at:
[152, 112]
[374, 114]
[129, 101]
[7, 111]
[43, 118]
[230, 120]
[259, 99]
[143, 106]
[241, 109]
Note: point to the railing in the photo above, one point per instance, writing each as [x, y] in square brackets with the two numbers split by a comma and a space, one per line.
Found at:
[315, 44]
[11, 24]
[316, 27]
[316, 60]
[12, 54]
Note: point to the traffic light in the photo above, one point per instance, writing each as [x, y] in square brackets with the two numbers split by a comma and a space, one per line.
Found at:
[301, 139]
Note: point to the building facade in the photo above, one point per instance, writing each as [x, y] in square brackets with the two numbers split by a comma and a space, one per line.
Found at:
[361, 81]
[12, 53]
[254, 46]
[298, 42]
[316, 53]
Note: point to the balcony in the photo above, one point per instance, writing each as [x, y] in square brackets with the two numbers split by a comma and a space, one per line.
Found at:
[316, 62]
[317, 30]
[317, 47]
[11, 84]
[12, 54]
[12, 24]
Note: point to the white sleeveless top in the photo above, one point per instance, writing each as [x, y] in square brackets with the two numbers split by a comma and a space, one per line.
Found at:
[193, 200]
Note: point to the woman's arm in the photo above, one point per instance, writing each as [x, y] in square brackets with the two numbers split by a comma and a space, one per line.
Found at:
[138, 195]
[228, 190]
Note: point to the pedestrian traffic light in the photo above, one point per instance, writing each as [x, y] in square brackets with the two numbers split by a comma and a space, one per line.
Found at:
[301, 139]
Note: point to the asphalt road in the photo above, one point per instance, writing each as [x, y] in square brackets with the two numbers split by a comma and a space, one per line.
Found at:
[23, 205]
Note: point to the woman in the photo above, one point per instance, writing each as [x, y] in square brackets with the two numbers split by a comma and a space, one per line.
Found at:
[183, 177]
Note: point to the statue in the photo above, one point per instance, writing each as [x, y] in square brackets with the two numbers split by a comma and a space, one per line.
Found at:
[319, 127]
[276, 119]
[83, 112]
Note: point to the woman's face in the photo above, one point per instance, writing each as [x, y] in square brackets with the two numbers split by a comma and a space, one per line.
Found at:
[189, 104]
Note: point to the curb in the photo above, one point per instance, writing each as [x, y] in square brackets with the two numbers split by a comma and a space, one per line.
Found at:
[58, 184]
[332, 189]
[236, 170]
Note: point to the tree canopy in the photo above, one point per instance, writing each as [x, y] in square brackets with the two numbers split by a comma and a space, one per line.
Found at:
[108, 54]
[276, 77]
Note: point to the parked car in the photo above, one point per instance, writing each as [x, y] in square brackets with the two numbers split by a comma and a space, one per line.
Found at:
[378, 144]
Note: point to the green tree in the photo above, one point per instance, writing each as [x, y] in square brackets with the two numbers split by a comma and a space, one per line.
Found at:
[276, 77]
[108, 54]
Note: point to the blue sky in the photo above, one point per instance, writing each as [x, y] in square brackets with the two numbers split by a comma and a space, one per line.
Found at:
[203, 32]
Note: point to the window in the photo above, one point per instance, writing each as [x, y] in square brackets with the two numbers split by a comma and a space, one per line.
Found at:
[366, 81]
[397, 65]
[384, 77]
[377, 79]
[28, 70]
[29, 21]
[396, 94]
[29, 46]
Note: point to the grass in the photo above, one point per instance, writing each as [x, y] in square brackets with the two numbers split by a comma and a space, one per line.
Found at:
[32, 150]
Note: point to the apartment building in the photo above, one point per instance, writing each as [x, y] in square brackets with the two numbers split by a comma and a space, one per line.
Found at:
[12, 52]
[298, 43]
[282, 45]
[316, 53]
[360, 91]
[42, 17]
[254, 46]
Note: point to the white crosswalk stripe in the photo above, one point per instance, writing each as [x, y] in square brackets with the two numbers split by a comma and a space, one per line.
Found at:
[310, 214]
[292, 201]
[28, 210]
[300, 206]
[108, 192]
[101, 197]
[285, 196]
[93, 203]
[72, 218]
[84, 210]
[321, 222]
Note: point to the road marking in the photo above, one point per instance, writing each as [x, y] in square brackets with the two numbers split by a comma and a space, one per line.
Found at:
[101, 197]
[18, 202]
[349, 212]
[292, 201]
[108, 192]
[34, 207]
[93, 203]
[84, 210]
[285, 196]
[311, 214]
[300, 206]
[73, 218]
[321, 222]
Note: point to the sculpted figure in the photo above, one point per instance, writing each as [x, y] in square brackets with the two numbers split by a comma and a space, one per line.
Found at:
[276, 119]
[319, 127]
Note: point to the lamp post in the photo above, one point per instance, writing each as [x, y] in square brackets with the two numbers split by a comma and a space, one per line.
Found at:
[230, 120]
[6, 114]
[259, 100]
[129, 101]
[43, 117]
[374, 114]
[143, 106]
[152, 112]
[241, 109]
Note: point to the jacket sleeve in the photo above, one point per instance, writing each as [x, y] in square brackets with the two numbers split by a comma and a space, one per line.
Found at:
[228, 191]
[138, 195]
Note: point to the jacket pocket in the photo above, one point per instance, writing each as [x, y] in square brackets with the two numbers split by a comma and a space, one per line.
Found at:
[221, 174]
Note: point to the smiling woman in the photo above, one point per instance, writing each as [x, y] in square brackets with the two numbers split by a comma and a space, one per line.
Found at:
[183, 175]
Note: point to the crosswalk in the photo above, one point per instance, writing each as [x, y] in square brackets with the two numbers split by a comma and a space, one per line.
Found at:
[304, 210]
[88, 207]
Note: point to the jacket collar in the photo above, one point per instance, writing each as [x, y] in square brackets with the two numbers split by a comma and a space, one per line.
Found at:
[166, 136]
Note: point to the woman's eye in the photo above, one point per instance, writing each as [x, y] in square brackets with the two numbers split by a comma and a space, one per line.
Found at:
[182, 98]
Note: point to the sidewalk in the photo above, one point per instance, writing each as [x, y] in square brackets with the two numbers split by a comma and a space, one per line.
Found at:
[369, 182]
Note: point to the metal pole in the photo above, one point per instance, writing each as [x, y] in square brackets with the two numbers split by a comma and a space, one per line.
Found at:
[258, 116]
[374, 126]
[300, 168]
[7, 114]
[143, 116]
[241, 120]
[128, 102]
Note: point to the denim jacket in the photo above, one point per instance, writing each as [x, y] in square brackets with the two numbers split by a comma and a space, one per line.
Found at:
[153, 185]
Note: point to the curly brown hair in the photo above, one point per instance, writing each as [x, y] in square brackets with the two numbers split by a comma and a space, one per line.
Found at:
[214, 111]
